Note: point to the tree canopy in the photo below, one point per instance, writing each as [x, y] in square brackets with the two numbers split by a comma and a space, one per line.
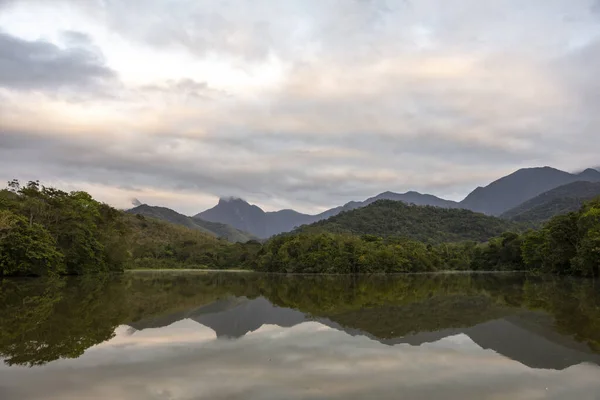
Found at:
[387, 218]
[46, 231]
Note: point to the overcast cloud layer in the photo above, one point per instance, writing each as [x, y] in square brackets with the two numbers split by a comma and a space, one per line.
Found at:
[302, 103]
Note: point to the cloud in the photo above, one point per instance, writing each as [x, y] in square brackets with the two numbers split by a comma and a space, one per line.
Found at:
[304, 104]
[41, 65]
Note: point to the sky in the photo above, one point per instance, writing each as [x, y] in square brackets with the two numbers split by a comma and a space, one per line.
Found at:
[303, 104]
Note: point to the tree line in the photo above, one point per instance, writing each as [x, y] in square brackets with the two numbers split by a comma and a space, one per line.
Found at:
[45, 231]
[568, 244]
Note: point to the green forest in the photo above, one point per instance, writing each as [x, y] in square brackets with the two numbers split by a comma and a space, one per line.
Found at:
[567, 244]
[45, 231]
[427, 224]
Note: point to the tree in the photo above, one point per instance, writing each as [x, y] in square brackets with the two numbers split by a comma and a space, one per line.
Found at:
[27, 249]
[587, 260]
[561, 235]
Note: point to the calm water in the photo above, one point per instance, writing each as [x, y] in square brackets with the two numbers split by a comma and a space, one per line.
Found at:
[251, 336]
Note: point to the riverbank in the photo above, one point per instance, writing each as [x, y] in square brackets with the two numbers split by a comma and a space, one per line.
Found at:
[444, 272]
[186, 270]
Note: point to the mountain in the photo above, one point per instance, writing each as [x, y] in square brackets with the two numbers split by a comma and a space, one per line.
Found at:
[426, 223]
[250, 218]
[411, 197]
[494, 199]
[415, 198]
[591, 175]
[560, 200]
[520, 186]
[212, 228]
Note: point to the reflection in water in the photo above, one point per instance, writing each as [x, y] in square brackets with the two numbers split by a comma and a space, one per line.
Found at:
[251, 336]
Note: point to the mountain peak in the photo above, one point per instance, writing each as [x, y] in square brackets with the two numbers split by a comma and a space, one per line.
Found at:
[524, 184]
[590, 174]
[231, 199]
[238, 213]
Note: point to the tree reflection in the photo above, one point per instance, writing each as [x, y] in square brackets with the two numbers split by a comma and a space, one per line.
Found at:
[46, 320]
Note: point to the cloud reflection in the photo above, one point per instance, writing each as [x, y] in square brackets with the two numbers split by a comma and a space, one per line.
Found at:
[308, 361]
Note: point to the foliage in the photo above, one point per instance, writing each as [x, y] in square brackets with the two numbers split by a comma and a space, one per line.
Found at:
[159, 245]
[387, 218]
[27, 249]
[47, 231]
[567, 244]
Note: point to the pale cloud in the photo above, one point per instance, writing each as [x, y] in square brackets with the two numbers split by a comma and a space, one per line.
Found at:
[303, 104]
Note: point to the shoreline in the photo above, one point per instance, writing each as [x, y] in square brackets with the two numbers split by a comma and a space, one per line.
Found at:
[184, 270]
[446, 272]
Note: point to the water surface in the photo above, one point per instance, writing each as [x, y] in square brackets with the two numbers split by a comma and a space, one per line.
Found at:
[252, 336]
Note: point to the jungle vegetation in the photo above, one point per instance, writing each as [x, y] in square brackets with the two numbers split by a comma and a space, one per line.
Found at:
[45, 231]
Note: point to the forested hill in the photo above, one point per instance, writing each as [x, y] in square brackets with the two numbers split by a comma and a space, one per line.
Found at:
[562, 200]
[45, 231]
[429, 224]
[212, 228]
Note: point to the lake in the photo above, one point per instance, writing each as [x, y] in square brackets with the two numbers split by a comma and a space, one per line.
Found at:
[194, 335]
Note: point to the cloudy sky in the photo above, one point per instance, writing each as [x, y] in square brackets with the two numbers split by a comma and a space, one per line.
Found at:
[294, 103]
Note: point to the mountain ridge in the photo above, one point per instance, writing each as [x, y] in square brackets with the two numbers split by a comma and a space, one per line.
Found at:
[494, 199]
[251, 218]
[216, 229]
[509, 191]
[428, 224]
[560, 200]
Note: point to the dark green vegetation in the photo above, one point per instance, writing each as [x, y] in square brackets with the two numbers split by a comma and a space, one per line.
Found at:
[44, 320]
[157, 244]
[567, 244]
[45, 231]
[386, 218]
[212, 228]
[562, 200]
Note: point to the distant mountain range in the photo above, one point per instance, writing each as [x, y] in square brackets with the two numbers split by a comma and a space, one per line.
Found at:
[212, 228]
[520, 186]
[250, 218]
[560, 200]
[494, 199]
[237, 220]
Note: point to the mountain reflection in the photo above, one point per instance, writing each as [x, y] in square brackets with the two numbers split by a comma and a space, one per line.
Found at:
[543, 323]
